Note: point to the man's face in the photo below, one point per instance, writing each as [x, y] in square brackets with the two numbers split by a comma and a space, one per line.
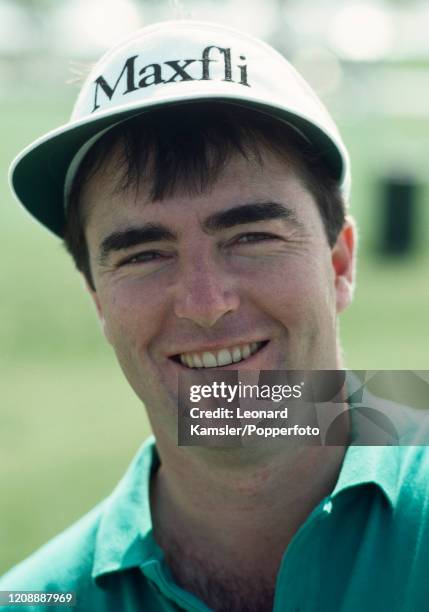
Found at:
[203, 280]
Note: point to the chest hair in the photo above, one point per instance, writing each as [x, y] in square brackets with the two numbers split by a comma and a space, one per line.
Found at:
[219, 588]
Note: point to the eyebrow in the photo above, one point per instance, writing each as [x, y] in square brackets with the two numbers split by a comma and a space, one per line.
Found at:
[249, 213]
[133, 236]
[239, 215]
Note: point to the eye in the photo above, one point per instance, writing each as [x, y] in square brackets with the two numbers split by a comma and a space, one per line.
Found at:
[143, 257]
[255, 237]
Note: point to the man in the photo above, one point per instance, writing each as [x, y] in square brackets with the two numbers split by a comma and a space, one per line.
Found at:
[201, 188]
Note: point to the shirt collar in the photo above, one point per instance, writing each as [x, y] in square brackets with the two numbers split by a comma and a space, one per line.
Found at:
[364, 464]
[370, 465]
[124, 538]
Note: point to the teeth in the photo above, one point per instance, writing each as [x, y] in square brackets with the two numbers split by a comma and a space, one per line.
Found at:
[197, 361]
[224, 357]
[245, 351]
[236, 355]
[209, 360]
[220, 358]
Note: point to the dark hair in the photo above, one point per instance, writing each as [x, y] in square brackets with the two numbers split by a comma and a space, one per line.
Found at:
[184, 148]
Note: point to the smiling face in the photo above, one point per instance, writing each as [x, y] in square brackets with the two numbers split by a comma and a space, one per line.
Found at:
[240, 276]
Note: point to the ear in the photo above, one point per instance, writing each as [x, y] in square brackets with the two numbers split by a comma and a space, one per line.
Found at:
[343, 263]
[94, 296]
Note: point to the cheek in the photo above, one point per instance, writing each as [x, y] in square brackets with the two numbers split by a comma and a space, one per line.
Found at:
[130, 317]
[294, 287]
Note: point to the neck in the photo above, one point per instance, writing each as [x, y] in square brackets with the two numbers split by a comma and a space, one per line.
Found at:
[227, 503]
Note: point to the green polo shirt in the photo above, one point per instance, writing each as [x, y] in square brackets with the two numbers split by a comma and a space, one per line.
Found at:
[364, 547]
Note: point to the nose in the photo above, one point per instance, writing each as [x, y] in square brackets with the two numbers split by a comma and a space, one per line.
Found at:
[205, 293]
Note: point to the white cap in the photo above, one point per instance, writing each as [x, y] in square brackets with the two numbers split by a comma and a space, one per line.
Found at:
[173, 62]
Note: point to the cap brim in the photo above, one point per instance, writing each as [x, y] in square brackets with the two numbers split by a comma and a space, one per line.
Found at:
[37, 175]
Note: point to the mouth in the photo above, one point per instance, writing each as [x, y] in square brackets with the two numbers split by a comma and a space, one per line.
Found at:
[220, 357]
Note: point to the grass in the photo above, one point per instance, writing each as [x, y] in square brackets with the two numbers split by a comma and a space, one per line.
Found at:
[69, 422]
[68, 433]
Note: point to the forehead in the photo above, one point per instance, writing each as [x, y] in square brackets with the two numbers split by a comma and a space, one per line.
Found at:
[241, 180]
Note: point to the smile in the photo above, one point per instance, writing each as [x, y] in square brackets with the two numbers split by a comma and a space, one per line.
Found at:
[221, 357]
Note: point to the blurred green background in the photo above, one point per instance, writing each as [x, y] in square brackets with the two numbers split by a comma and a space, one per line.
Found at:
[69, 424]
